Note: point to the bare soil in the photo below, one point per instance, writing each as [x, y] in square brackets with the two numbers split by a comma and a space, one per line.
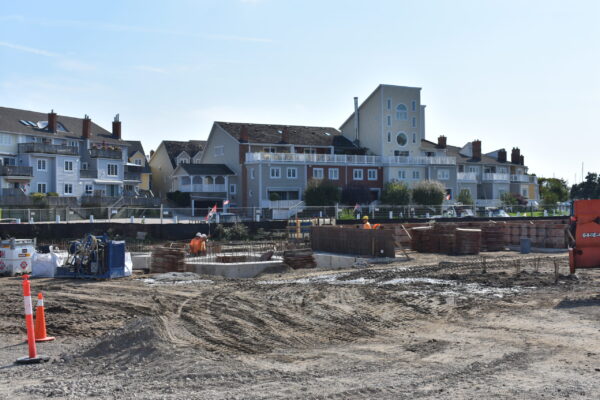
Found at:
[433, 327]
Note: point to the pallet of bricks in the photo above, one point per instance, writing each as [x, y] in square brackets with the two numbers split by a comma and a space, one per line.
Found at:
[548, 234]
[446, 238]
[167, 259]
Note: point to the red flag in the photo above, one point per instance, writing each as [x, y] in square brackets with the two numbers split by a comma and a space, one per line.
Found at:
[357, 207]
[448, 196]
[211, 212]
[226, 202]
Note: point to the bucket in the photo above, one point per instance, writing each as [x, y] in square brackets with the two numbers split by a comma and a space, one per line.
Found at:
[16, 256]
[525, 245]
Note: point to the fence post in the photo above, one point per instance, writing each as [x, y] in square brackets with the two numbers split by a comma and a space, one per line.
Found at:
[131, 219]
[67, 215]
[29, 215]
[91, 218]
[161, 213]
[391, 215]
[337, 211]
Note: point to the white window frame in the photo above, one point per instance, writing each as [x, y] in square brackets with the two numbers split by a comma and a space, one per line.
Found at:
[357, 174]
[401, 174]
[232, 188]
[398, 135]
[333, 174]
[137, 161]
[443, 174]
[219, 151]
[389, 120]
[317, 173]
[45, 187]
[68, 185]
[275, 173]
[389, 137]
[472, 169]
[91, 188]
[44, 165]
[68, 163]
[108, 169]
[401, 115]
[372, 174]
[294, 172]
[416, 175]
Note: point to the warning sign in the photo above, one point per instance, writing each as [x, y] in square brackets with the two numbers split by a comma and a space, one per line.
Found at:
[24, 264]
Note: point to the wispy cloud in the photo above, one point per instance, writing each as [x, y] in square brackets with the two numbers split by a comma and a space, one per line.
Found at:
[26, 49]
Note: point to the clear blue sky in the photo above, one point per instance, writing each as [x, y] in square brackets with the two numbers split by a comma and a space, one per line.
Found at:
[511, 73]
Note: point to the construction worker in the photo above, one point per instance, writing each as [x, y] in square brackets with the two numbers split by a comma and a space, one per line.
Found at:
[366, 224]
[203, 244]
[196, 245]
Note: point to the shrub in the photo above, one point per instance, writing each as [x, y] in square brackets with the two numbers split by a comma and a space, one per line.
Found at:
[274, 196]
[52, 194]
[395, 194]
[464, 197]
[238, 232]
[346, 214]
[321, 193]
[181, 199]
[353, 194]
[38, 198]
[429, 193]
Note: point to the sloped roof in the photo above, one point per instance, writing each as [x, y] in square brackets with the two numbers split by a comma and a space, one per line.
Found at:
[134, 146]
[297, 135]
[453, 151]
[10, 117]
[191, 147]
[207, 169]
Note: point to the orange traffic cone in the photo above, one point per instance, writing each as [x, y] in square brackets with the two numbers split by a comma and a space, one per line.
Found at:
[40, 321]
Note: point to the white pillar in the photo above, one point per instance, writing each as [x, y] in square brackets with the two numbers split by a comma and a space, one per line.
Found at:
[91, 218]
[131, 219]
[161, 213]
[58, 219]
[391, 215]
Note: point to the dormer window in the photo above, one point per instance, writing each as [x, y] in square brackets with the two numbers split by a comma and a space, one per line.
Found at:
[137, 161]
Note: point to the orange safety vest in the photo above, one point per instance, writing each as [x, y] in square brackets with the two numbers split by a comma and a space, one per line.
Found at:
[367, 225]
[196, 245]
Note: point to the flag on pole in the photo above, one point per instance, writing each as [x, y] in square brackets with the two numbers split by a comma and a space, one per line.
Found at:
[448, 196]
[226, 202]
[211, 212]
[357, 207]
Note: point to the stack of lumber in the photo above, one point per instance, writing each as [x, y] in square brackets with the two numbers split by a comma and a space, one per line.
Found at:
[492, 237]
[167, 259]
[468, 241]
[301, 258]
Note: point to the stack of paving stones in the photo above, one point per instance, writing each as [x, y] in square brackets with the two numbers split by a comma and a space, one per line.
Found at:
[468, 241]
[167, 259]
[492, 237]
[301, 258]
[444, 237]
[420, 236]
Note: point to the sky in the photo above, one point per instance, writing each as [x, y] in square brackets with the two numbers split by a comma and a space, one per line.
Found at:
[509, 73]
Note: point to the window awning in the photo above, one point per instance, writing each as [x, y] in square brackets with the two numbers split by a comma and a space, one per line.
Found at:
[107, 182]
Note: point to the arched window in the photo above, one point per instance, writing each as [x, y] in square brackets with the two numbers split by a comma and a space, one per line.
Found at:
[209, 180]
[401, 112]
[197, 180]
[402, 139]
[185, 180]
[219, 180]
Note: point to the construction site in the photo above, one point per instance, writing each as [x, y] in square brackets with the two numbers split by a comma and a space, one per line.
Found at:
[505, 308]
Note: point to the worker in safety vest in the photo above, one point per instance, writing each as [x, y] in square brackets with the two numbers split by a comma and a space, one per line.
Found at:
[196, 244]
[203, 244]
[366, 224]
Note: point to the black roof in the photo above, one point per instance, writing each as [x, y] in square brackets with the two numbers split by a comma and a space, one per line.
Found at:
[10, 122]
[454, 151]
[191, 147]
[207, 169]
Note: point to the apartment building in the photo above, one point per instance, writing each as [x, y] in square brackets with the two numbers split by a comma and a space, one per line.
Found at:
[70, 157]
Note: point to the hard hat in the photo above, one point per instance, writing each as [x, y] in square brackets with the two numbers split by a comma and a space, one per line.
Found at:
[204, 235]
[198, 234]
[365, 217]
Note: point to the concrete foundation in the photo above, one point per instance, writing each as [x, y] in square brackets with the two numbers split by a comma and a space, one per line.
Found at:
[248, 269]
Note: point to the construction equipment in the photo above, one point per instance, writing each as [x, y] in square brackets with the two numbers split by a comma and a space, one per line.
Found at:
[94, 257]
[584, 231]
[16, 255]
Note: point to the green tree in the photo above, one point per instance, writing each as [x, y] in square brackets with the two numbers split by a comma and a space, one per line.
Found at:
[322, 193]
[553, 190]
[508, 199]
[429, 193]
[464, 197]
[395, 194]
[588, 189]
[353, 194]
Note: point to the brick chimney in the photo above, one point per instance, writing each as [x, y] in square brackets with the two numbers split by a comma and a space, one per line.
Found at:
[441, 142]
[86, 131]
[116, 128]
[515, 155]
[501, 155]
[285, 135]
[244, 134]
[522, 160]
[52, 122]
[476, 147]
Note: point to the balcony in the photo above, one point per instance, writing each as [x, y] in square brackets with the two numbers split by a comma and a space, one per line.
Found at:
[14, 170]
[494, 177]
[466, 177]
[347, 159]
[203, 188]
[86, 173]
[132, 176]
[47, 148]
[106, 153]
[519, 178]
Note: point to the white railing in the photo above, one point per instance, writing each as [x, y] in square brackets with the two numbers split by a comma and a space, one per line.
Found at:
[496, 177]
[467, 176]
[347, 159]
[280, 203]
[200, 188]
[519, 178]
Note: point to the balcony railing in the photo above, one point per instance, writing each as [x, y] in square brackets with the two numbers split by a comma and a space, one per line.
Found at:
[47, 148]
[106, 153]
[203, 188]
[15, 170]
[86, 173]
[132, 176]
[519, 178]
[347, 159]
[488, 203]
[494, 177]
[467, 176]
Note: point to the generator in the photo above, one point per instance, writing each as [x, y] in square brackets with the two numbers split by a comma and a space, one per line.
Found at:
[16, 256]
[584, 251]
[94, 257]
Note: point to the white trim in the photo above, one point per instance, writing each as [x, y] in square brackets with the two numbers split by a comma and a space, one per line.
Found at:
[405, 135]
[369, 174]
[337, 174]
[288, 170]
[278, 175]
[355, 176]
[322, 174]
[45, 187]
[45, 164]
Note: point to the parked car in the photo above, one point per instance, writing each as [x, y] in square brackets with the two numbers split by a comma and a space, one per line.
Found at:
[532, 204]
[496, 212]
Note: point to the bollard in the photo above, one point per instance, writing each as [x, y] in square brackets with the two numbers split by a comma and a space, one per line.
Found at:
[175, 219]
[131, 219]
[58, 219]
[31, 221]
[40, 321]
[91, 219]
[427, 215]
[34, 357]
[391, 215]
[18, 220]
[358, 216]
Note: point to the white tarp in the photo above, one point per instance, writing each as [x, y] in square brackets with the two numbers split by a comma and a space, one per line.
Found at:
[44, 265]
[128, 264]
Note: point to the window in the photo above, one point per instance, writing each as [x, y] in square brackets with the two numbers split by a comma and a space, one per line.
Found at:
[448, 194]
[524, 192]
[219, 151]
[269, 149]
[402, 174]
[185, 180]
[137, 161]
[416, 174]
[372, 174]
[112, 170]
[5, 139]
[443, 174]
[413, 105]
[232, 188]
[334, 174]
[389, 137]
[502, 170]
[68, 188]
[472, 169]
[84, 166]
[183, 161]
[251, 173]
[89, 189]
[41, 188]
[357, 174]
[74, 143]
[41, 166]
[399, 153]
[389, 120]
[275, 173]
[401, 113]
[68, 165]
[414, 122]
[389, 104]
[414, 137]
[9, 161]
[292, 173]
[317, 173]
[402, 139]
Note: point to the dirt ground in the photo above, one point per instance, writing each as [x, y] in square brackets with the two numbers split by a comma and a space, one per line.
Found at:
[433, 327]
